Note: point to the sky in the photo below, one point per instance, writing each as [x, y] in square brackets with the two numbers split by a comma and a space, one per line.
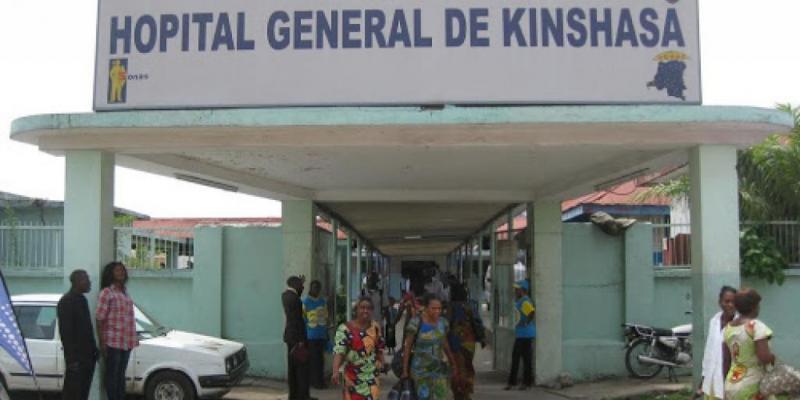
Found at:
[748, 52]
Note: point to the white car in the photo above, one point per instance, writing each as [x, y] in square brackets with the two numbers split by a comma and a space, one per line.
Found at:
[168, 364]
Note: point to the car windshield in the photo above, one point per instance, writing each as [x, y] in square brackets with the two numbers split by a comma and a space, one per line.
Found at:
[146, 326]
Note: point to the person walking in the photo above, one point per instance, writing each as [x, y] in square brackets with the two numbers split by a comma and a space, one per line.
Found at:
[747, 348]
[390, 316]
[359, 346]
[426, 337]
[466, 330]
[116, 327]
[294, 335]
[712, 383]
[525, 333]
[315, 312]
[77, 338]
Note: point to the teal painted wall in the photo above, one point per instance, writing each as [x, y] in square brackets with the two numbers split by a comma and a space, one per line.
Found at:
[673, 298]
[30, 282]
[165, 297]
[595, 268]
[594, 302]
[252, 285]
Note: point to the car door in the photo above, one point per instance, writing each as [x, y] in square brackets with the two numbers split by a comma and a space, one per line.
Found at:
[38, 325]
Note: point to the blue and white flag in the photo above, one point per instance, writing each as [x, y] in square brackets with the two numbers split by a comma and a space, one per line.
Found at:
[10, 335]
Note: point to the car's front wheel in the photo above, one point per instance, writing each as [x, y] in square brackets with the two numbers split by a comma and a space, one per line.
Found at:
[169, 385]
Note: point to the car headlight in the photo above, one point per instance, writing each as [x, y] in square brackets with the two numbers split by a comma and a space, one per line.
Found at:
[229, 364]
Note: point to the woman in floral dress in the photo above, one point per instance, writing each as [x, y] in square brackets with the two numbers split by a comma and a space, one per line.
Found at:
[426, 339]
[358, 345]
[466, 330]
[747, 348]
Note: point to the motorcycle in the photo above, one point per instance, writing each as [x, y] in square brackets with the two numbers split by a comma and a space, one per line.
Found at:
[649, 350]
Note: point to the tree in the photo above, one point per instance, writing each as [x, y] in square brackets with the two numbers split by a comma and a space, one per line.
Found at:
[769, 177]
[769, 189]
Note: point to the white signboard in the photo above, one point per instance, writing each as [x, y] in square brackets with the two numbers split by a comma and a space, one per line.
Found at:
[247, 53]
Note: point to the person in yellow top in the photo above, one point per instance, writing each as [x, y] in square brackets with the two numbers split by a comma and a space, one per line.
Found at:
[315, 314]
[118, 76]
[525, 333]
[747, 349]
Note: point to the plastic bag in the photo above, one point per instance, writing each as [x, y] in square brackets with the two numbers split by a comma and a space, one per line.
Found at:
[403, 390]
[781, 381]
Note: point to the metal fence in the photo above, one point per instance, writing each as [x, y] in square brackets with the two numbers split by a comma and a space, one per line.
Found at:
[38, 247]
[672, 245]
[31, 246]
[672, 242]
[161, 248]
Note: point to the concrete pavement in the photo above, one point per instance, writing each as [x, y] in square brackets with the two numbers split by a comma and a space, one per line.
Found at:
[489, 386]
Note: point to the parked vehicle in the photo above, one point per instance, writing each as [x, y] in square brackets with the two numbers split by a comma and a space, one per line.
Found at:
[651, 349]
[168, 364]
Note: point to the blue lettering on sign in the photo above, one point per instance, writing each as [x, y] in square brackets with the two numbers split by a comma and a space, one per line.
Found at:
[328, 29]
[511, 26]
[399, 30]
[477, 26]
[672, 29]
[223, 34]
[169, 29]
[651, 36]
[600, 25]
[453, 16]
[123, 34]
[278, 37]
[300, 27]
[575, 20]
[242, 42]
[374, 21]
[142, 45]
[625, 30]
[202, 20]
[553, 27]
[376, 28]
[419, 39]
[349, 28]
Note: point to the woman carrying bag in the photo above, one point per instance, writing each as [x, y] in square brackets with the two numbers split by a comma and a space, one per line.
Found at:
[358, 345]
[426, 338]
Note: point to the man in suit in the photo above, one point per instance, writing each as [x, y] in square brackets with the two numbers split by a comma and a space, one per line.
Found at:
[294, 335]
[77, 338]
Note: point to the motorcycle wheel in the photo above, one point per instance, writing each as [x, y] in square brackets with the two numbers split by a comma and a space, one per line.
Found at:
[636, 368]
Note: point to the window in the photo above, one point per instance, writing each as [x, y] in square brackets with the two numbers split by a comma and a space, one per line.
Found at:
[37, 322]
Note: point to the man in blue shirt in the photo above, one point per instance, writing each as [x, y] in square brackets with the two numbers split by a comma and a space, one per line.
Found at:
[525, 333]
[315, 313]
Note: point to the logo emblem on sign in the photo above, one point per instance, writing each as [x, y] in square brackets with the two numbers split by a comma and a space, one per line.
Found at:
[117, 79]
[671, 65]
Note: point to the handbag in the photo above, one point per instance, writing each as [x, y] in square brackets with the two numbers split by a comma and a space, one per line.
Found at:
[397, 359]
[780, 381]
[299, 353]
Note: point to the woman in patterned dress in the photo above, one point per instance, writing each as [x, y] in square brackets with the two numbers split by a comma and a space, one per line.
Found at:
[427, 336]
[358, 345]
[466, 330]
[747, 348]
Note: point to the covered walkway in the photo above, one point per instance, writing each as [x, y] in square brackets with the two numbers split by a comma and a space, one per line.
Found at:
[406, 183]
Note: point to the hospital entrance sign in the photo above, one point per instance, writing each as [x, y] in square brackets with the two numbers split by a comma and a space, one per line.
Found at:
[155, 54]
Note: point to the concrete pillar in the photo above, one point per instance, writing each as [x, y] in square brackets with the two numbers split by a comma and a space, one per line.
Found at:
[207, 286]
[349, 276]
[529, 211]
[548, 290]
[714, 204]
[89, 223]
[298, 219]
[639, 273]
